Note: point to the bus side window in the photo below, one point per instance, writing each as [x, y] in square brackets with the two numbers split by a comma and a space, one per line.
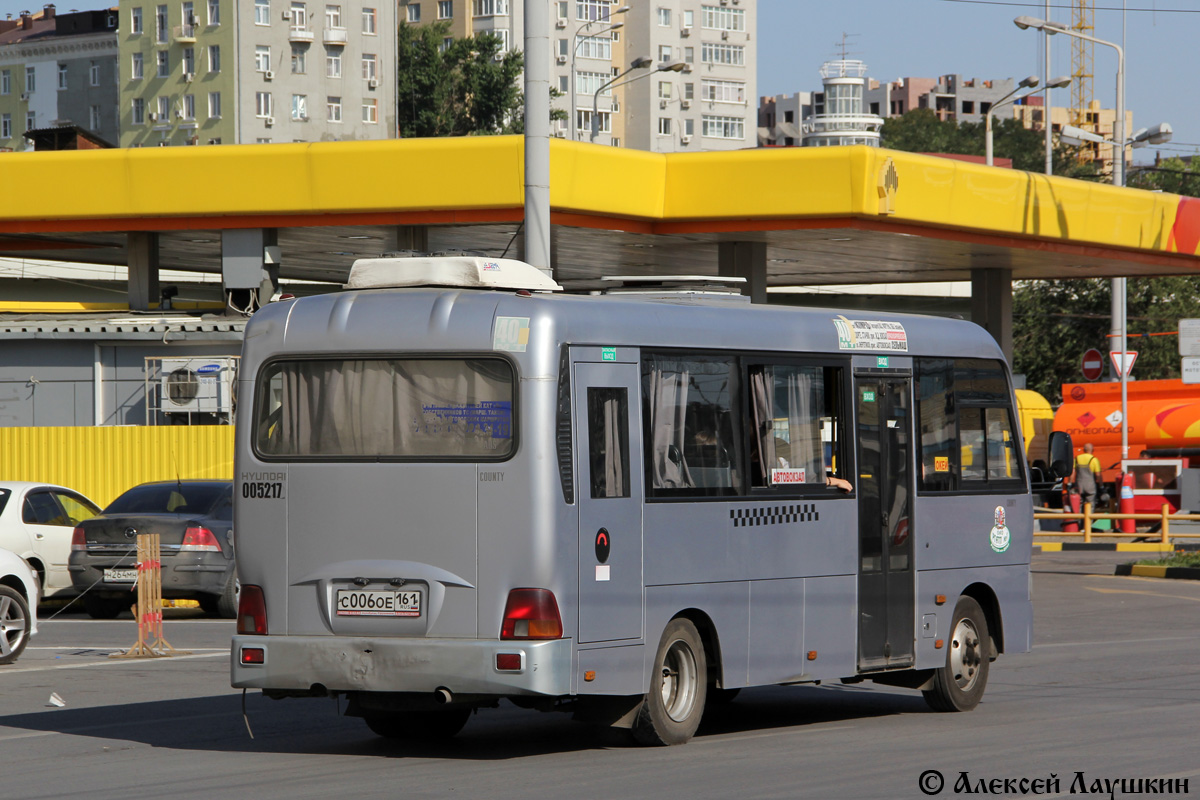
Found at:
[608, 441]
[793, 425]
[693, 433]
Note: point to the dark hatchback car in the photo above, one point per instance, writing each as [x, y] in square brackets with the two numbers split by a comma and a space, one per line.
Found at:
[194, 520]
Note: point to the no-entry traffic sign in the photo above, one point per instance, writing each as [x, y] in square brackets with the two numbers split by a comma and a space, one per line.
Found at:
[1093, 364]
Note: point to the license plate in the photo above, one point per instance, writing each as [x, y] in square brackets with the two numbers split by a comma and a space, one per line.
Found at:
[120, 575]
[358, 603]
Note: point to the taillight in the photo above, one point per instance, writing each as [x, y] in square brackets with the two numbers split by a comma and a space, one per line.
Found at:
[78, 542]
[199, 539]
[531, 614]
[252, 611]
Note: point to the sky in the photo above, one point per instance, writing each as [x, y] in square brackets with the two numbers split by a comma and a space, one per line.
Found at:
[977, 39]
[974, 39]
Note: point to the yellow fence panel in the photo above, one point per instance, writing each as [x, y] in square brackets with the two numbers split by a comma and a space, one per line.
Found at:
[103, 462]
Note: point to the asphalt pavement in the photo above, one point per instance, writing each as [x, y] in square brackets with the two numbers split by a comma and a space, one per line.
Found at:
[1110, 692]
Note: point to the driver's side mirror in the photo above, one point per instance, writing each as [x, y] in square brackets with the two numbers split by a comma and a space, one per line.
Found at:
[1061, 454]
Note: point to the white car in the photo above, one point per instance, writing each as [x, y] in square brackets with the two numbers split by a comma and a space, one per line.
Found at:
[18, 605]
[37, 521]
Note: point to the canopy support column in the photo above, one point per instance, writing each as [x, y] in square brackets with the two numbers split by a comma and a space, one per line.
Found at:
[142, 247]
[991, 305]
[745, 260]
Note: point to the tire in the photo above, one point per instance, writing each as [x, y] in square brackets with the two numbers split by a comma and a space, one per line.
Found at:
[104, 607]
[671, 712]
[15, 624]
[959, 685]
[227, 603]
[424, 725]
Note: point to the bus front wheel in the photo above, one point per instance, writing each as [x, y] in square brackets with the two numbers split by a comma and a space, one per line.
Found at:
[959, 685]
[671, 712]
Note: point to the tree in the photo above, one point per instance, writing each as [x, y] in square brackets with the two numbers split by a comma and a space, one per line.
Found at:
[459, 87]
[1172, 175]
[1054, 322]
[920, 131]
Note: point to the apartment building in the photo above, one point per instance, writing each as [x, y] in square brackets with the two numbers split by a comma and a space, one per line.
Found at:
[58, 70]
[706, 105]
[256, 71]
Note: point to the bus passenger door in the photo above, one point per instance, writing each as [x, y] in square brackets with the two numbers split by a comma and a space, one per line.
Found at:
[885, 572]
[608, 447]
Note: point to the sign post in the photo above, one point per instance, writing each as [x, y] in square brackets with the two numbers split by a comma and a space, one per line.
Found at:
[1093, 364]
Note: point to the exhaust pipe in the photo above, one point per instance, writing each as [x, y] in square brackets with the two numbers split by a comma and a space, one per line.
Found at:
[443, 695]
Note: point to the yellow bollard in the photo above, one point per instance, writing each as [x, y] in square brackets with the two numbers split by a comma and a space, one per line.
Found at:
[1087, 523]
[1166, 522]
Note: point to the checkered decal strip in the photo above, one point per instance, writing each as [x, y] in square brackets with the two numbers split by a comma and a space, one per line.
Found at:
[777, 515]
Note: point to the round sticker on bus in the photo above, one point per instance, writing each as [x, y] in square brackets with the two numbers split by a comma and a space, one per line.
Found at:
[602, 545]
[1000, 536]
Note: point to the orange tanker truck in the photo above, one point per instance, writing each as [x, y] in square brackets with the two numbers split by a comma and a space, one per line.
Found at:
[1164, 432]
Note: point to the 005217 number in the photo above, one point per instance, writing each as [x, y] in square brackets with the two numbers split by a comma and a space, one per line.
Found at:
[255, 490]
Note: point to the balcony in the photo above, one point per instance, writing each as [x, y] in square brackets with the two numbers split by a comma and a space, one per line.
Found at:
[184, 34]
[300, 35]
[334, 36]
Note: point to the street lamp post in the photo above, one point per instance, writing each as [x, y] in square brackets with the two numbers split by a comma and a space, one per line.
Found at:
[1119, 329]
[1030, 82]
[579, 40]
[1026, 83]
[637, 63]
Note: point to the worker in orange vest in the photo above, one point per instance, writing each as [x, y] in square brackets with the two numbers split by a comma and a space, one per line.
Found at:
[1086, 475]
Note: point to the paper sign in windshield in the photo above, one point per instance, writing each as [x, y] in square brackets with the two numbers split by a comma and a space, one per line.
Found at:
[865, 334]
[787, 476]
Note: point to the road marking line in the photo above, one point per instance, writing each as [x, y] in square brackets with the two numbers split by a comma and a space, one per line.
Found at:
[1116, 641]
[1138, 591]
[117, 648]
[141, 662]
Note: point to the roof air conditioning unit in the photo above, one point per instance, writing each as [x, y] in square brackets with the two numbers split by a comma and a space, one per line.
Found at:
[269, 75]
[197, 385]
[562, 59]
[685, 103]
[372, 84]
[269, 121]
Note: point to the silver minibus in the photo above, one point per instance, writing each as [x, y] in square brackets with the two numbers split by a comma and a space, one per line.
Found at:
[456, 485]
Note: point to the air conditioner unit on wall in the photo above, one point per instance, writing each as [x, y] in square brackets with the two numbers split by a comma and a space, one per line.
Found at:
[685, 103]
[372, 83]
[197, 385]
[269, 75]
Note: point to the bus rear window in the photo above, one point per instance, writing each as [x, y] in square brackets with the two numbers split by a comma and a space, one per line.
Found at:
[386, 408]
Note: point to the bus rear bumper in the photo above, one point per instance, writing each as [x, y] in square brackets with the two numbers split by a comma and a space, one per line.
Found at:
[363, 664]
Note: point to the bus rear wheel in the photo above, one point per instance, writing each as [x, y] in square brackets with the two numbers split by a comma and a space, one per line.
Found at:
[671, 712]
[959, 685]
[423, 725]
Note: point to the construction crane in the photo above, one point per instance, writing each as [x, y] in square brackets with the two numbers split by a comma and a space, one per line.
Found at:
[1082, 21]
